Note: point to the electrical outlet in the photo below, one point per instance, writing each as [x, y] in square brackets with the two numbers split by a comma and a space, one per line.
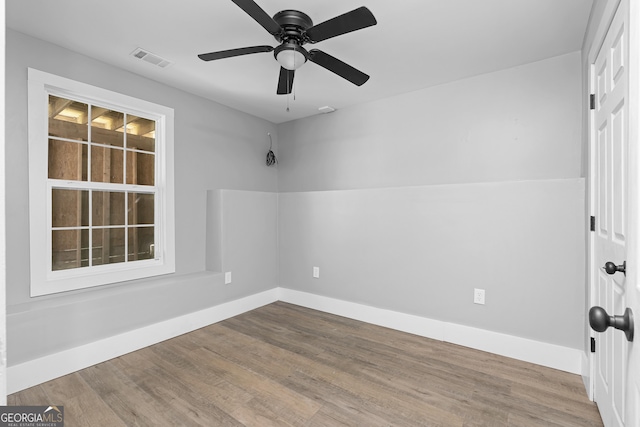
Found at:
[478, 296]
[316, 272]
[227, 277]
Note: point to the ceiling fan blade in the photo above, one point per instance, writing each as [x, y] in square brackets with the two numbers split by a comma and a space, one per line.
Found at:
[285, 81]
[260, 16]
[334, 65]
[234, 52]
[357, 19]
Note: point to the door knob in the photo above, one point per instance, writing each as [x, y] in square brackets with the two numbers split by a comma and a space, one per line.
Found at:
[611, 268]
[600, 321]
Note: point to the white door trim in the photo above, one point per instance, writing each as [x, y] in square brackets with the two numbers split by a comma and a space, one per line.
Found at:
[633, 298]
[3, 260]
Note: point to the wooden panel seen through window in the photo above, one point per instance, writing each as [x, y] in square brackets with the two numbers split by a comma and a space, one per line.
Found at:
[108, 245]
[107, 164]
[107, 208]
[140, 168]
[141, 243]
[102, 145]
[141, 133]
[70, 208]
[107, 127]
[67, 160]
[141, 208]
[68, 119]
[70, 249]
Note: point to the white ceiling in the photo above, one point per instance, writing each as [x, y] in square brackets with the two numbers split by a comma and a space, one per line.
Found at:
[416, 44]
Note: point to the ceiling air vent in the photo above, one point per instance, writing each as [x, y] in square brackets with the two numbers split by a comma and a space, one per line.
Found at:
[151, 58]
[326, 109]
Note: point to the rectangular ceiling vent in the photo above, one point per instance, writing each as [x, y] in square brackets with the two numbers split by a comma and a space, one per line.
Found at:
[151, 58]
[326, 109]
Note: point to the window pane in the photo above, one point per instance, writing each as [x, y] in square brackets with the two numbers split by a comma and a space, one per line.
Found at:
[70, 208]
[140, 168]
[141, 208]
[141, 133]
[141, 243]
[69, 249]
[108, 245]
[105, 124]
[108, 208]
[106, 164]
[67, 119]
[67, 160]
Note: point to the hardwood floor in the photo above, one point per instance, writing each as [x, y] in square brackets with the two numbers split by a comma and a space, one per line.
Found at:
[284, 365]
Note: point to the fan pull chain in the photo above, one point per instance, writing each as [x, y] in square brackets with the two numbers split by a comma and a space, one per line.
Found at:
[288, 86]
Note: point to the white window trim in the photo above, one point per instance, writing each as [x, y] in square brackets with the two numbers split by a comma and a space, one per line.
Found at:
[43, 280]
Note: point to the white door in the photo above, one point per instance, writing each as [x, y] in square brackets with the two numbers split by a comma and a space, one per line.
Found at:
[616, 391]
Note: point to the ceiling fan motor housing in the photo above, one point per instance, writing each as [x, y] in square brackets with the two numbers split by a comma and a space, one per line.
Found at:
[293, 23]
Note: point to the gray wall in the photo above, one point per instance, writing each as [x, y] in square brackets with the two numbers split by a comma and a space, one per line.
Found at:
[406, 203]
[215, 148]
[411, 202]
[515, 124]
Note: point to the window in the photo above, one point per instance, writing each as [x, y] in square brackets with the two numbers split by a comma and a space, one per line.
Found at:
[101, 186]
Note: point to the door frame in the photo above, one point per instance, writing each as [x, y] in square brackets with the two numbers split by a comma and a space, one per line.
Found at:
[3, 263]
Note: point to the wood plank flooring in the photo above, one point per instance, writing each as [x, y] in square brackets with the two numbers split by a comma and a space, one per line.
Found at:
[284, 365]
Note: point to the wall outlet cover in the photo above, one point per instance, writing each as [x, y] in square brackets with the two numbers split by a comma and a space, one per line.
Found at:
[316, 272]
[478, 296]
[227, 277]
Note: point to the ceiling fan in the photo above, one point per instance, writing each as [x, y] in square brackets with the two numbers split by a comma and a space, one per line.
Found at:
[293, 29]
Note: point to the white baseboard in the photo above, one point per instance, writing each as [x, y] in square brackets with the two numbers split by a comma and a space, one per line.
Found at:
[544, 354]
[37, 371]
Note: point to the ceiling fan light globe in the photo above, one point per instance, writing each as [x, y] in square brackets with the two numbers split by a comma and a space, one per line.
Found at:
[291, 59]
